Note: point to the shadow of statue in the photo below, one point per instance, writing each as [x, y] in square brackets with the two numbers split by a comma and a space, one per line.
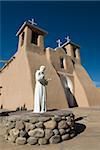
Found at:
[79, 128]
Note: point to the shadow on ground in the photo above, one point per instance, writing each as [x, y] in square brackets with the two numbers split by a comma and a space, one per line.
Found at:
[79, 127]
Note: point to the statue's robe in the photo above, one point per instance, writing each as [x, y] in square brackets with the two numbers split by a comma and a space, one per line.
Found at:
[40, 92]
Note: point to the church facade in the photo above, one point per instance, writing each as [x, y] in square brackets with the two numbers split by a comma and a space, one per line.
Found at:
[70, 86]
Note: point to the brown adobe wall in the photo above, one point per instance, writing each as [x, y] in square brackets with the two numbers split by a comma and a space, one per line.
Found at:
[65, 74]
[54, 58]
[85, 91]
[16, 83]
[56, 98]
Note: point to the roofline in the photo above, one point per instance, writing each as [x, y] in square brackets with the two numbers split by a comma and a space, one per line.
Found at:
[66, 43]
[8, 61]
[26, 23]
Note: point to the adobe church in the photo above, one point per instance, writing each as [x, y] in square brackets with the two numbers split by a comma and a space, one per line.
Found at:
[70, 86]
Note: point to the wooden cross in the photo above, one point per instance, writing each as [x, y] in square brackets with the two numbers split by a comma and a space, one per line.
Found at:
[32, 21]
[68, 38]
[59, 42]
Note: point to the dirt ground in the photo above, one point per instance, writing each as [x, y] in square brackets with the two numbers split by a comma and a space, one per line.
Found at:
[88, 138]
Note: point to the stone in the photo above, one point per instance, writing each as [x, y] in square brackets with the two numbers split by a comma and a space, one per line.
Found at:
[20, 125]
[48, 133]
[72, 116]
[38, 132]
[56, 131]
[68, 130]
[23, 133]
[25, 118]
[44, 119]
[72, 123]
[72, 127]
[39, 125]
[62, 124]
[62, 131]
[72, 133]
[68, 120]
[12, 138]
[42, 141]
[50, 124]
[10, 125]
[65, 137]
[55, 139]
[14, 118]
[14, 132]
[29, 126]
[57, 118]
[7, 131]
[63, 118]
[34, 120]
[32, 140]
[6, 137]
[21, 140]
[69, 123]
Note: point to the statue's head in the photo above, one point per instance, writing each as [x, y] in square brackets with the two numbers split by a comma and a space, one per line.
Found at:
[42, 68]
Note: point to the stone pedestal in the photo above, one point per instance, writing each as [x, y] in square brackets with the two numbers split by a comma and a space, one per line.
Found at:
[47, 128]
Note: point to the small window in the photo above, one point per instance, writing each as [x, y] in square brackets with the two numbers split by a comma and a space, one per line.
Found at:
[22, 42]
[73, 62]
[65, 50]
[74, 50]
[62, 62]
[34, 38]
[1, 107]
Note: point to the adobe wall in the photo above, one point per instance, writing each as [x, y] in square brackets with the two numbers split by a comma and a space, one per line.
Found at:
[65, 74]
[17, 80]
[85, 91]
[54, 58]
[55, 94]
[16, 83]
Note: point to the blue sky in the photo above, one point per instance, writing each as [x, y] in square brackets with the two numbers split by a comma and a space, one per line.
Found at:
[80, 20]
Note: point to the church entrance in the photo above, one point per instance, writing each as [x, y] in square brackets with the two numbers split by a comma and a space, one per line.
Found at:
[68, 89]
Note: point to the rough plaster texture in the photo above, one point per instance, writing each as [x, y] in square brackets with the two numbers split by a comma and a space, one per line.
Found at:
[90, 95]
[16, 83]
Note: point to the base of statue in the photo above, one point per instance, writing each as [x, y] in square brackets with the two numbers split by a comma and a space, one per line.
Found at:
[50, 127]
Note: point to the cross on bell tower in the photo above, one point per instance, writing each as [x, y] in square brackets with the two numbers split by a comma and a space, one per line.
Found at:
[68, 39]
[32, 21]
[59, 42]
[30, 35]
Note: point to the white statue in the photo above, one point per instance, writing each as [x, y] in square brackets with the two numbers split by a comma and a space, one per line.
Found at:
[40, 91]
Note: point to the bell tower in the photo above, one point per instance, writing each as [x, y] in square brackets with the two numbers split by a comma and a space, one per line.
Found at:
[31, 36]
[72, 50]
